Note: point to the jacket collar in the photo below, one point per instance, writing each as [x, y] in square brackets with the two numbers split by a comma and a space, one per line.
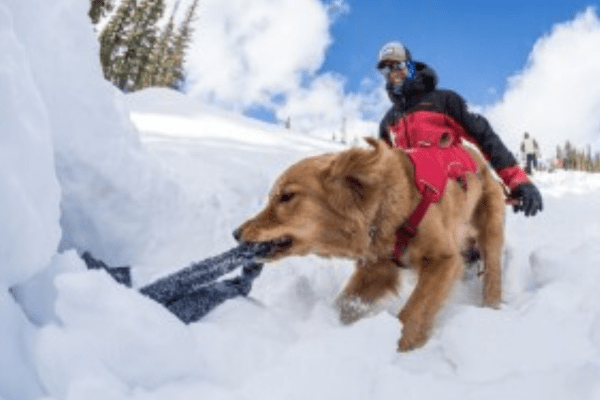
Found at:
[425, 81]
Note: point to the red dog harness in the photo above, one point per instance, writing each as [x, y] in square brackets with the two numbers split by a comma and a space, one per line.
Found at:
[431, 141]
[434, 166]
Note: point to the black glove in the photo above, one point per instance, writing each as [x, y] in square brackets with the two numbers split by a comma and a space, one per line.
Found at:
[530, 199]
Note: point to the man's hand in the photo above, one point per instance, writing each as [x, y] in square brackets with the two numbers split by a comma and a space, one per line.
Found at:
[530, 199]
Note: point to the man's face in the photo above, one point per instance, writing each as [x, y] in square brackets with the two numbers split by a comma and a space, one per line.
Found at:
[397, 76]
[394, 71]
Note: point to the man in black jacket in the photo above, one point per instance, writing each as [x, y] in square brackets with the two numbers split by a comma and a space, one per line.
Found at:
[423, 115]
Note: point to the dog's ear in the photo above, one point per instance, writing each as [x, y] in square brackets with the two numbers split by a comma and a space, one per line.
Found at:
[354, 176]
[374, 142]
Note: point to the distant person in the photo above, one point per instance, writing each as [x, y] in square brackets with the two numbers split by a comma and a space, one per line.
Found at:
[423, 115]
[530, 150]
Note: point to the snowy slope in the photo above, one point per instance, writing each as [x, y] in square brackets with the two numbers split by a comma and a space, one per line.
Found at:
[543, 342]
[167, 188]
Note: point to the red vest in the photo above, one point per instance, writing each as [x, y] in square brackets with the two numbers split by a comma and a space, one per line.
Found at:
[431, 140]
[426, 128]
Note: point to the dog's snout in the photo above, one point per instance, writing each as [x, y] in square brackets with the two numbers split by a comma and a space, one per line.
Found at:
[237, 234]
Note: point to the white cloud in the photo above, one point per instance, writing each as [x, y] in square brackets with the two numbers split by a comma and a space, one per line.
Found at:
[324, 109]
[322, 103]
[246, 51]
[250, 52]
[337, 8]
[557, 95]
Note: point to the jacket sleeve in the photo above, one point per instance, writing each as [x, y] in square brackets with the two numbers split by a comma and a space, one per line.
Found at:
[483, 136]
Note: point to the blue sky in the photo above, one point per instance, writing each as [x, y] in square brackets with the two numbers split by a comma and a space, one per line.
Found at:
[474, 46]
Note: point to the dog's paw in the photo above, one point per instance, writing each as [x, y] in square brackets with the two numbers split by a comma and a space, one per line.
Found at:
[492, 300]
[352, 309]
[492, 293]
[411, 341]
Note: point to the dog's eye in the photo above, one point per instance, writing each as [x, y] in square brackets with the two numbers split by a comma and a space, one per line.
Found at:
[285, 197]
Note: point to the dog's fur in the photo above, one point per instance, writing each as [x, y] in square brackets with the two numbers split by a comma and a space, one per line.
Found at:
[350, 204]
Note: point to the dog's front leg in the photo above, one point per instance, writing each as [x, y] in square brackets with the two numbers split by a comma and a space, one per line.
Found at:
[490, 223]
[371, 282]
[436, 278]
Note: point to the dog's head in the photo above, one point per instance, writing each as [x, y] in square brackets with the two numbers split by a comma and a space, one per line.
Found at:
[321, 205]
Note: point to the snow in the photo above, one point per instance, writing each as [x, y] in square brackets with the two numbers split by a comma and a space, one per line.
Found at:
[167, 187]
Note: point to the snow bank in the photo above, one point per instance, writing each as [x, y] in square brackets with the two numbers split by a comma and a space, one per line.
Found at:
[72, 171]
[29, 207]
[99, 163]
[29, 221]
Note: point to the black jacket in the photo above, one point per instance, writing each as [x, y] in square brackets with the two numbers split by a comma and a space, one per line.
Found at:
[421, 94]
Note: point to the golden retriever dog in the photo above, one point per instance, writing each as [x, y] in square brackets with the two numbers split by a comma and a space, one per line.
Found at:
[350, 204]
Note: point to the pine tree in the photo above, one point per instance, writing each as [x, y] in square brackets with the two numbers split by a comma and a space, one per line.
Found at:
[154, 72]
[165, 67]
[135, 54]
[99, 9]
[143, 40]
[180, 46]
[569, 156]
[113, 41]
[127, 41]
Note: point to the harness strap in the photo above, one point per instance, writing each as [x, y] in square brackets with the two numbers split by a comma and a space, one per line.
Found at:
[408, 229]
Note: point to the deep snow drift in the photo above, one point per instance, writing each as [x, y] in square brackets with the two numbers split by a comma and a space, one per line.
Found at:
[76, 175]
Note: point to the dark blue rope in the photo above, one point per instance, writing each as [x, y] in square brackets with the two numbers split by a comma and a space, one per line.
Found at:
[192, 292]
[196, 304]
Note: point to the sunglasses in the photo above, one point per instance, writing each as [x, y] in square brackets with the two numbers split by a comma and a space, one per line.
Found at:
[386, 68]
